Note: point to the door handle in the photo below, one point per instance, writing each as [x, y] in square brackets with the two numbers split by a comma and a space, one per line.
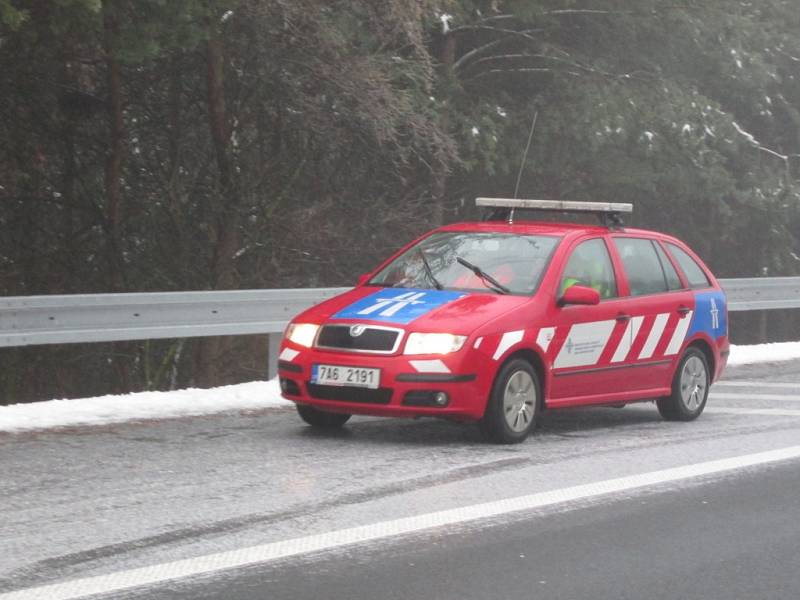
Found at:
[622, 317]
[684, 310]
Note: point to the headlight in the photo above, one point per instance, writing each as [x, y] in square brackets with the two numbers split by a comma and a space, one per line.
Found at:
[302, 334]
[434, 343]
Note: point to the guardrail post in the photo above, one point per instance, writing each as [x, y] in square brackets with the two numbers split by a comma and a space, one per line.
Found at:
[272, 359]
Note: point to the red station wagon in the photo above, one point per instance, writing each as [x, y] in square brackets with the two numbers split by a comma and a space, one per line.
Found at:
[498, 320]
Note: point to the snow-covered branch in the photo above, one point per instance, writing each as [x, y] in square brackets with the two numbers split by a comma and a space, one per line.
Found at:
[751, 139]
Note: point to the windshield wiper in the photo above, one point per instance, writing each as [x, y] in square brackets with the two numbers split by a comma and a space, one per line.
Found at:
[495, 286]
[429, 271]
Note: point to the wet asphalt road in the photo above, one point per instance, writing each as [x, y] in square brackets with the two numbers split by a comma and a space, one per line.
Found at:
[97, 500]
[723, 540]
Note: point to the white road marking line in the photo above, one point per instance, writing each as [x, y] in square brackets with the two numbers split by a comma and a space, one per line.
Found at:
[631, 331]
[761, 384]
[747, 396]
[509, 339]
[766, 412]
[123, 580]
[429, 366]
[655, 336]
[680, 334]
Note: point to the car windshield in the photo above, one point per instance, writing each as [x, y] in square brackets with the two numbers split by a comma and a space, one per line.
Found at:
[514, 261]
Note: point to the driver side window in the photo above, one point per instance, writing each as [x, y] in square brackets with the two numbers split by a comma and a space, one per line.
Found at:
[590, 265]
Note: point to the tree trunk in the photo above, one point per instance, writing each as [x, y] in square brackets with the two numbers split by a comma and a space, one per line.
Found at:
[225, 230]
[447, 56]
[119, 352]
[116, 148]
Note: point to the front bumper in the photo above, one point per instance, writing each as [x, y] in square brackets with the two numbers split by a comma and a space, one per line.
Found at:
[410, 386]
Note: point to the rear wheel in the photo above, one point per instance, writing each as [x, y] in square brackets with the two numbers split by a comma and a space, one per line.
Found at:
[689, 388]
[321, 419]
[513, 404]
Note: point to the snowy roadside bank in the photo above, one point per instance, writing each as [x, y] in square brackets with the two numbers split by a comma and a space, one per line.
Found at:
[760, 353]
[102, 410]
[254, 395]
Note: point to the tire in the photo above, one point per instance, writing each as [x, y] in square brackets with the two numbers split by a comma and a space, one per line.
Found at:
[320, 418]
[690, 386]
[513, 403]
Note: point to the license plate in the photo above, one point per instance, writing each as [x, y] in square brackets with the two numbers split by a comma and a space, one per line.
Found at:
[349, 376]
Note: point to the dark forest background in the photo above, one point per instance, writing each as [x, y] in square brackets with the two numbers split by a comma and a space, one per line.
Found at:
[153, 145]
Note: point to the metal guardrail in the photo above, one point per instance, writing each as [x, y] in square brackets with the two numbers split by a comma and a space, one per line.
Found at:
[36, 320]
[762, 293]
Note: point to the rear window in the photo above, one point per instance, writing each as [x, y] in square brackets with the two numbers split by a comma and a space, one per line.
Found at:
[694, 274]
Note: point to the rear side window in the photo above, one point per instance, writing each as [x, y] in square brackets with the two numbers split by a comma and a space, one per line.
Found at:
[642, 266]
[694, 274]
[673, 281]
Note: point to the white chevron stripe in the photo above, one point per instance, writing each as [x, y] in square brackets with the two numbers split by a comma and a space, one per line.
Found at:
[680, 334]
[655, 336]
[631, 331]
[546, 335]
[429, 366]
[509, 339]
[288, 354]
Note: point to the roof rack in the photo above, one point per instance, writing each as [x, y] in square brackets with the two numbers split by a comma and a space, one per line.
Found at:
[608, 212]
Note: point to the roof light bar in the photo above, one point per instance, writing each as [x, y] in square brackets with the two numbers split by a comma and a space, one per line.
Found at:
[557, 205]
[608, 212]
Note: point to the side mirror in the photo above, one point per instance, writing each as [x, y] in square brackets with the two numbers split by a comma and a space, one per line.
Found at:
[362, 279]
[579, 294]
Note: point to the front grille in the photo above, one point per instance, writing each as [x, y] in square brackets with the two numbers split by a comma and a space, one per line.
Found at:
[371, 339]
[349, 394]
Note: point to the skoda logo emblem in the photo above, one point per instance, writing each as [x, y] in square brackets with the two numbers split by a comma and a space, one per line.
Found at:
[357, 330]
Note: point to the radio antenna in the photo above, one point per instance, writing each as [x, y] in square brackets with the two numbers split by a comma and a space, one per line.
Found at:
[525, 154]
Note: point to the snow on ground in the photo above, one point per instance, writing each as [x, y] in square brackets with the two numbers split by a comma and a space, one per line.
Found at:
[245, 396]
[746, 355]
[139, 406]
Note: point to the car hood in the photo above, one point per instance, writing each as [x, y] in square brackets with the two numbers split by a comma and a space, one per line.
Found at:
[414, 309]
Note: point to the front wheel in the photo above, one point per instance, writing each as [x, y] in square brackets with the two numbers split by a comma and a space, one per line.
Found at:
[513, 404]
[320, 418]
[689, 388]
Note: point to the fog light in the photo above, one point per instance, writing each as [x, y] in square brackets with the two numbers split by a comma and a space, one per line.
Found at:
[288, 386]
[426, 398]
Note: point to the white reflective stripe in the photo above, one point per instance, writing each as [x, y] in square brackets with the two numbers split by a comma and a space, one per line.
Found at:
[288, 354]
[477, 343]
[429, 366]
[680, 334]
[585, 343]
[631, 331]
[655, 336]
[546, 335]
[509, 339]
